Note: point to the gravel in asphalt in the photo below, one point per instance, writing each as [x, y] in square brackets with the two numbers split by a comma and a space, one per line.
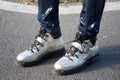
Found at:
[17, 31]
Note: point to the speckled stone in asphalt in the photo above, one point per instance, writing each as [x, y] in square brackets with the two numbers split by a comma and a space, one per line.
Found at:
[17, 31]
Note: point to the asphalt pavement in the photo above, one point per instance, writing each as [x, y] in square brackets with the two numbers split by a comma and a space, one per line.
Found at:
[17, 32]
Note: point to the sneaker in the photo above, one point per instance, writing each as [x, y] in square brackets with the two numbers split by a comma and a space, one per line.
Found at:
[77, 56]
[44, 45]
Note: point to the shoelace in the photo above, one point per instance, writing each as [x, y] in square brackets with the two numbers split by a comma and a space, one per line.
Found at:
[73, 50]
[42, 34]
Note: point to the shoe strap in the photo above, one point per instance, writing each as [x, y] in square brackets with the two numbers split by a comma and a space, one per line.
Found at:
[77, 45]
[39, 39]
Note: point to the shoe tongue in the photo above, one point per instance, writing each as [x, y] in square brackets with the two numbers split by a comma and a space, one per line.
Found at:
[80, 37]
[42, 30]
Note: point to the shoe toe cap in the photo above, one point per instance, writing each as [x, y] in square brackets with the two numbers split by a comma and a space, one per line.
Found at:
[61, 64]
[58, 66]
[23, 56]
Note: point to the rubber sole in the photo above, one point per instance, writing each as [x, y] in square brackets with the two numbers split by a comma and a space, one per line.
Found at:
[77, 69]
[57, 53]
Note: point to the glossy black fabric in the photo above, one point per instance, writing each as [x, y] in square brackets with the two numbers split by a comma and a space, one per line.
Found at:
[90, 17]
[48, 15]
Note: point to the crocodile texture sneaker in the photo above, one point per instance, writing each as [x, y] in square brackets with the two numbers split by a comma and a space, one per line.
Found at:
[44, 45]
[78, 56]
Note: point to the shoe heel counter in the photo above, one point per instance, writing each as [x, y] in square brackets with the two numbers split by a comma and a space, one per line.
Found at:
[56, 45]
[60, 43]
[95, 48]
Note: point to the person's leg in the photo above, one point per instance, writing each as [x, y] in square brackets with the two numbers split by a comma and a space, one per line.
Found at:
[84, 48]
[90, 17]
[49, 38]
[48, 15]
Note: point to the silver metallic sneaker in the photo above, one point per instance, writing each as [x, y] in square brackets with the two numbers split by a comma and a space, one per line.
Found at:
[45, 45]
[78, 56]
